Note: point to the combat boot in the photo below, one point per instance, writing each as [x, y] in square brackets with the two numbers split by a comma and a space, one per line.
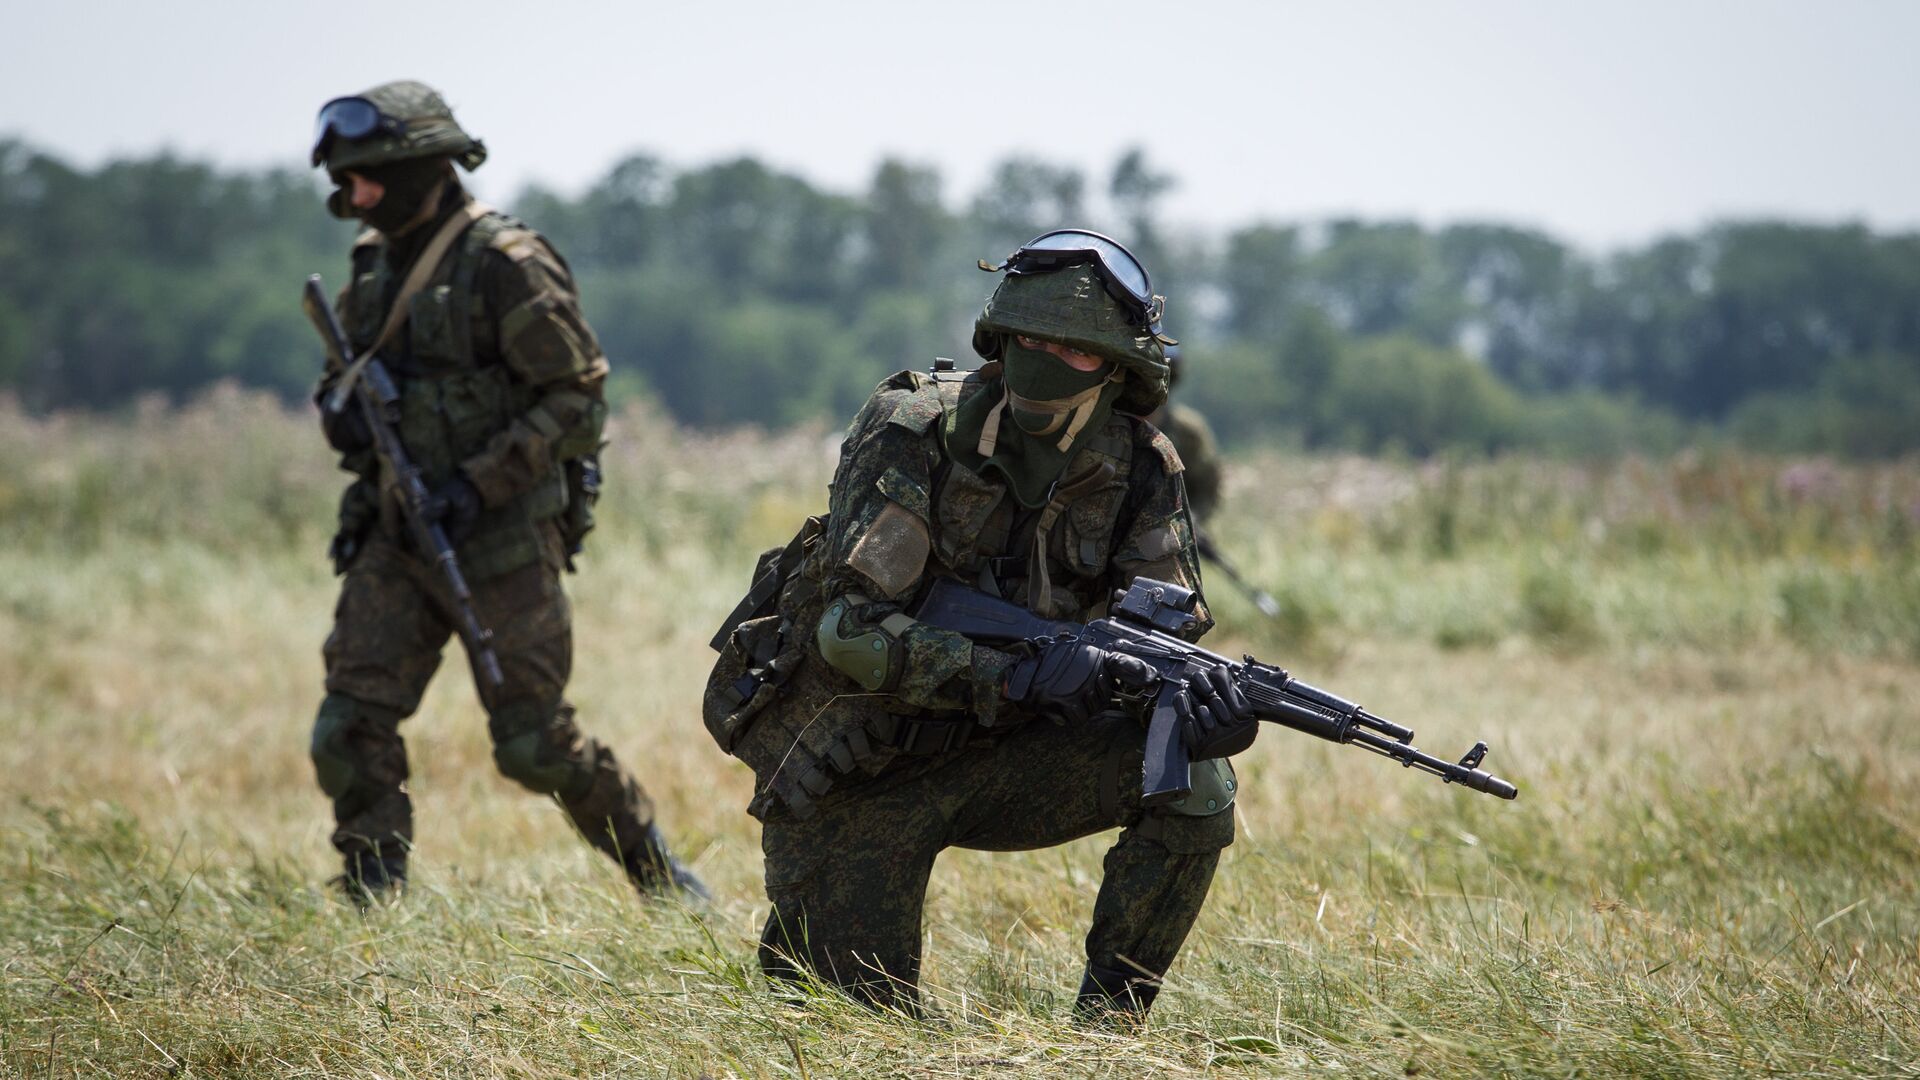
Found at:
[372, 879]
[657, 874]
[1118, 999]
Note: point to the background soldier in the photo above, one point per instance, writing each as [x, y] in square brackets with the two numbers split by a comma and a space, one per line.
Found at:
[501, 406]
[1199, 450]
[1193, 437]
[878, 741]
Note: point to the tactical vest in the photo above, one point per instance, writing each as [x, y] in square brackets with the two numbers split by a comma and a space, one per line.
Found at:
[778, 707]
[452, 399]
[982, 536]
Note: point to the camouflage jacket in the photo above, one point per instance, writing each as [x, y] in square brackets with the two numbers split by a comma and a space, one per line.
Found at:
[499, 377]
[901, 514]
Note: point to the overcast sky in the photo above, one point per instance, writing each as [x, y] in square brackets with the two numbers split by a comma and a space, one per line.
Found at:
[1606, 122]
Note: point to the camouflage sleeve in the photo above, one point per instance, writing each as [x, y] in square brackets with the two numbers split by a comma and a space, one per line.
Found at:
[545, 340]
[1200, 453]
[1157, 530]
[879, 542]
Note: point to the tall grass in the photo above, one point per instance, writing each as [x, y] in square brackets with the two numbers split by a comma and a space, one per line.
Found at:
[1700, 671]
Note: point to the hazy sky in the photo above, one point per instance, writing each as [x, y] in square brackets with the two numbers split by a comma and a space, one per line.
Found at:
[1606, 122]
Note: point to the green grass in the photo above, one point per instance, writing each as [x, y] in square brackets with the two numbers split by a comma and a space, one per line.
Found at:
[1702, 673]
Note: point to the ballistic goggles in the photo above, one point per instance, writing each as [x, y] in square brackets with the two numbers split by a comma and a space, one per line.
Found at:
[1125, 279]
[350, 118]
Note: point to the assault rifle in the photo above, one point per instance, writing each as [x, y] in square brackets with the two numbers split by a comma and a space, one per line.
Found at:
[1144, 621]
[378, 399]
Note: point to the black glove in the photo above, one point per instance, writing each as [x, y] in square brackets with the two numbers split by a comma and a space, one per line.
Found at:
[456, 506]
[346, 430]
[1215, 719]
[1073, 679]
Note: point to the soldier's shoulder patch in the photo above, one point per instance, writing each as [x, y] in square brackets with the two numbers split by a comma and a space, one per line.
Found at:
[1153, 438]
[914, 401]
[905, 380]
[516, 241]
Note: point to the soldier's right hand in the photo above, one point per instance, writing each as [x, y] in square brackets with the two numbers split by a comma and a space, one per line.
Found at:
[1216, 719]
[1073, 679]
[456, 506]
[346, 430]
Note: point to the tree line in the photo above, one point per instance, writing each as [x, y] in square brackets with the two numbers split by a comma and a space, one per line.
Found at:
[734, 293]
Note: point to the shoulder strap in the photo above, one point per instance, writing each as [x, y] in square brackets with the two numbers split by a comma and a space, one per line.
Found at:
[416, 279]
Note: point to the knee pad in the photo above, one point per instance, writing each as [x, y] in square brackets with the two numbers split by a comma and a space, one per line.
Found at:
[334, 763]
[529, 749]
[1203, 820]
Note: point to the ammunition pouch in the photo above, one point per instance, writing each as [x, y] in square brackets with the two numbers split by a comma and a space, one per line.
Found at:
[359, 512]
[754, 665]
[758, 651]
[922, 736]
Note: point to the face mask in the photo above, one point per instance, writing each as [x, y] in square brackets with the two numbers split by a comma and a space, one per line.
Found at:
[1045, 394]
[409, 184]
[1050, 405]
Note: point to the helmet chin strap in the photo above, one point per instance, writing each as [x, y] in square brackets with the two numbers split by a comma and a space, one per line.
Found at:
[1081, 405]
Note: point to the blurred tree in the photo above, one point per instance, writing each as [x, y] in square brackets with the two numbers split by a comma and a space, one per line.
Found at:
[1514, 284]
[1026, 197]
[1135, 189]
[1261, 276]
[1383, 278]
[752, 230]
[905, 226]
[738, 293]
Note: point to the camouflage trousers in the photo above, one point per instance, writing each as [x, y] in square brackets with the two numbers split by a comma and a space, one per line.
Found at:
[393, 620]
[849, 881]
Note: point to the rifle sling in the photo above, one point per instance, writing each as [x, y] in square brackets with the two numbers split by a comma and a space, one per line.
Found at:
[423, 267]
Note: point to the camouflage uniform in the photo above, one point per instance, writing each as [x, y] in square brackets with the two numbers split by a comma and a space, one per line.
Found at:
[501, 383]
[1193, 437]
[859, 790]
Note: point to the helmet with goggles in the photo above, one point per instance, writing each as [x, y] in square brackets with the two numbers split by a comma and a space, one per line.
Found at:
[395, 121]
[1085, 291]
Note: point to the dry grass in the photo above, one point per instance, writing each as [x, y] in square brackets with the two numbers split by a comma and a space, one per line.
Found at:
[1713, 869]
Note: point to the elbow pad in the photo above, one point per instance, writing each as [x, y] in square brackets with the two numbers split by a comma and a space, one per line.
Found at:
[869, 654]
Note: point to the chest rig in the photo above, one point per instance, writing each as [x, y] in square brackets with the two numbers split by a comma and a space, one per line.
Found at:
[456, 390]
[1052, 558]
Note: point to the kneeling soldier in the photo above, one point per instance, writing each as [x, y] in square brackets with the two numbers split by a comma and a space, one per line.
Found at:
[878, 741]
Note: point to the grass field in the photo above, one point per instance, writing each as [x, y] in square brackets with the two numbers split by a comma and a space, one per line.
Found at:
[1704, 674]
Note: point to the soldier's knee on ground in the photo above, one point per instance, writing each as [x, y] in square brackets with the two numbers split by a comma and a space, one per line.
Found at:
[533, 745]
[782, 950]
[346, 734]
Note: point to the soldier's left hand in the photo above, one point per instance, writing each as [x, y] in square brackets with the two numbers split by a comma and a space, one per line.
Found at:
[1216, 719]
[456, 506]
[346, 430]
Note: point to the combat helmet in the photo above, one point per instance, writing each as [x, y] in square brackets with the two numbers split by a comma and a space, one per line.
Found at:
[395, 121]
[1085, 291]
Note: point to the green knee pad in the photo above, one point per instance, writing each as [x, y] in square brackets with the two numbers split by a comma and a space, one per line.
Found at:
[526, 750]
[1203, 820]
[334, 763]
